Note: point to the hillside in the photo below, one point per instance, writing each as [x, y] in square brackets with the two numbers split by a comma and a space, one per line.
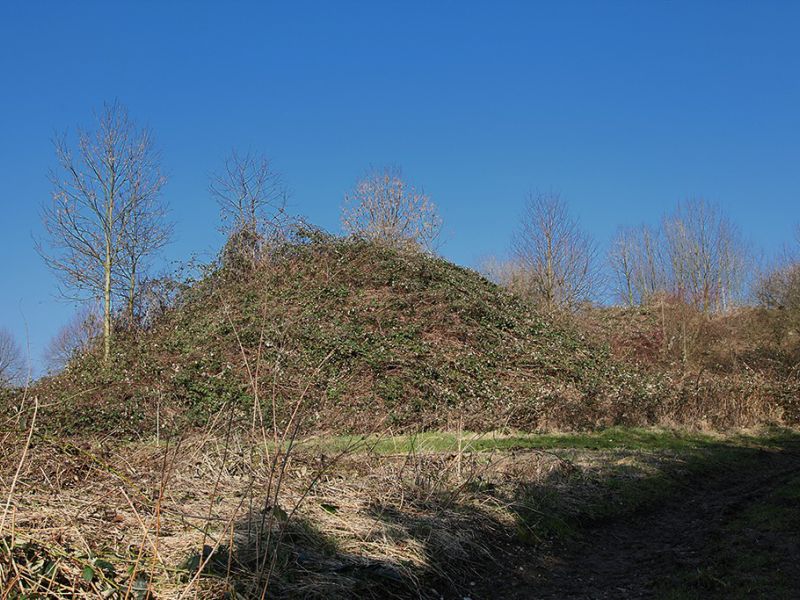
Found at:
[370, 337]
[360, 338]
[330, 336]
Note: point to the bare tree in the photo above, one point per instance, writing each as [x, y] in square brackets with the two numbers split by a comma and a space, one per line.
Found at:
[75, 337]
[707, 256]
[697, 255]
[384, 208]
[637, 263]
[109, 176]
[506, 273]
[556, 257]
[779, 288]
[252, 202]
[777, 285]
[11, 362]
[621, 257]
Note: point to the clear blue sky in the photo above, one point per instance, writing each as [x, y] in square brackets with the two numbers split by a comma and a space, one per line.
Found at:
[623, 107]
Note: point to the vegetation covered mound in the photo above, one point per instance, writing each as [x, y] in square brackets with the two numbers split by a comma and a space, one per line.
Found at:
[360, 336]
[341, 335]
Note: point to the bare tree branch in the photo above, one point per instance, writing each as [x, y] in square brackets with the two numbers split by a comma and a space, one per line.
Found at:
[147, 230]
[11, 361]
[252, 201]
[74, 338]
[384, 208]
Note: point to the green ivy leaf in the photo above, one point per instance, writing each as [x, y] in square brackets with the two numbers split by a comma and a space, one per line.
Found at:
[88, 573]
[106, 567]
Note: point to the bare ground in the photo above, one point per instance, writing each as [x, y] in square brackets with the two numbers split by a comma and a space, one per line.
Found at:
[706, 542]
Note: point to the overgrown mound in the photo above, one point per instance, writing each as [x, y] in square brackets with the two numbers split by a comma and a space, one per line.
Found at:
[337, 335]
[358, 336]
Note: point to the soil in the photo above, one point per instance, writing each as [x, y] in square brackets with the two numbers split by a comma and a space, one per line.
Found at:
[680, 549]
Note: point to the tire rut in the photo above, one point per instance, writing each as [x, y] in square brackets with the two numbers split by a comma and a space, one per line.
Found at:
[628, 558]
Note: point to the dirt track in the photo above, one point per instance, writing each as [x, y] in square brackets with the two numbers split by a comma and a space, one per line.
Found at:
[677, 550]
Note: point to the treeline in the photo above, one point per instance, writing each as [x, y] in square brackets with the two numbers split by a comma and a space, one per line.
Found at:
[106, 221]
[695, 255]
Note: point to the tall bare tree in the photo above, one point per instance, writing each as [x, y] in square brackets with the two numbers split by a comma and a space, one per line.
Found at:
[556, 256]
[11, 362]
[707, 255]
[621, 258]
[386, 209]
[777, 285]
[109, 175]
[252, 200]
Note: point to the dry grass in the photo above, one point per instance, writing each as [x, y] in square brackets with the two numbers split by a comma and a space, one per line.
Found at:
[200, 517]
[98, 518]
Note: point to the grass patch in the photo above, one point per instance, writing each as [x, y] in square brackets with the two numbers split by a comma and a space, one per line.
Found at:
[614, 438]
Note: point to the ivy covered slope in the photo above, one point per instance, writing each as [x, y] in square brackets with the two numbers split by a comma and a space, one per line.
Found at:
[364, 337]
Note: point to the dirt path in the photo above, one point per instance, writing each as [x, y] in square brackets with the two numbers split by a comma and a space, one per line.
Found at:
[648, 555]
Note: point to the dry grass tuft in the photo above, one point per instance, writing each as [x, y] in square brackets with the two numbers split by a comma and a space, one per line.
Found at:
[187, 518]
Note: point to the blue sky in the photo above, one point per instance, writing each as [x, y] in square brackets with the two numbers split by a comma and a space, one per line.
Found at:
[623, 107]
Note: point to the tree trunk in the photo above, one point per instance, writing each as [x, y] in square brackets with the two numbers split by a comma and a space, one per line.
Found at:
[107, 266]
[131, 295]
[107, 303]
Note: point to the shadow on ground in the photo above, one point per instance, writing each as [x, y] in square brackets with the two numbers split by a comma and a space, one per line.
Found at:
[719, 521]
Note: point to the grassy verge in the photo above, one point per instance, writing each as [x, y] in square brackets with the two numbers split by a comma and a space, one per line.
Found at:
[615, 438]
